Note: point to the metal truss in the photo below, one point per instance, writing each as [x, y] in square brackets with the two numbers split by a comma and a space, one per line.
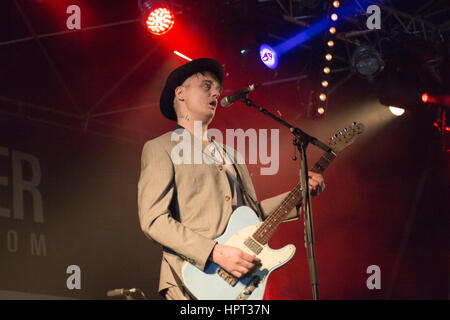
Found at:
[422, 23]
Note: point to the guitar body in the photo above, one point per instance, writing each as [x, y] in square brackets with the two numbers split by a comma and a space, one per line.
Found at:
[209, 285]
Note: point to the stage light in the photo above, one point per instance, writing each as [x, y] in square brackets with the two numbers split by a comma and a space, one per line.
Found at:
[332, 30]
[328, 56]
[323, 97]
[336, 4]
[324, 83]
[437, 125]
[182, 56]
[367, 61]
[320, 110]
[425, 97]
[268, 56]
[159, 19]
[334, 17]
[330, 43]
[396, 111]
[326, 70]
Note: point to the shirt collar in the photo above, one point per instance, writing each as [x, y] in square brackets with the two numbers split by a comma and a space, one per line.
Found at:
[178, 127]
[181, 127]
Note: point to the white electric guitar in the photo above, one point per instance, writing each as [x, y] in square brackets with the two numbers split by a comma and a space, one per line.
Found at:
[246, 232]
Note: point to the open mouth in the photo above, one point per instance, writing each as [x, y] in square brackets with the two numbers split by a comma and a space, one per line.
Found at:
[213, 104]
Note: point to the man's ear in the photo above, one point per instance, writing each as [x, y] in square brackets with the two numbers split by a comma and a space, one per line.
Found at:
[179, 93]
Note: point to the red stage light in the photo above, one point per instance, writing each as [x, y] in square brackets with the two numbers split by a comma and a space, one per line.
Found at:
[425, 97]
[160, 21]
[182, 55]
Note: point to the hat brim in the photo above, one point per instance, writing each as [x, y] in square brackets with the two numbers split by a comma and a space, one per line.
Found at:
[179, 75]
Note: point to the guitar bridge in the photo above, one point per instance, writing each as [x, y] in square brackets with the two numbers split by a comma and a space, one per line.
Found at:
[229, 278]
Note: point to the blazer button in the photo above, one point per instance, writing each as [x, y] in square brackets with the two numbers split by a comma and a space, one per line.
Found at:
[227, 198]
[220, 167]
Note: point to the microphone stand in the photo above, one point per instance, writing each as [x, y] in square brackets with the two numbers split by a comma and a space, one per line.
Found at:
[301, 141]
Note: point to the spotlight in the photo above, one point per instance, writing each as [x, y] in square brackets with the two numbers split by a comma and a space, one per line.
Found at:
[326, 70]
[328, 56]
[332, 30]
[268, 56]
[334, 17]
[442, 100]
[182, 55]
[159, 19]
[367, 61]
[324, 83]
[323, 97]
[396, 111]
[330, 43]
[336, 4]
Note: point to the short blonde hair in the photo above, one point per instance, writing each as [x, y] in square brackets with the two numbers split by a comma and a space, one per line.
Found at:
[186, 83]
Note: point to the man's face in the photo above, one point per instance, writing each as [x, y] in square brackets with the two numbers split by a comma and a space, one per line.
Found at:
[200, 96]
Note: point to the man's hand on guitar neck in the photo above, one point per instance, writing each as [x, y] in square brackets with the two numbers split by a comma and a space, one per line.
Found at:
[234, 260]
[316, 183]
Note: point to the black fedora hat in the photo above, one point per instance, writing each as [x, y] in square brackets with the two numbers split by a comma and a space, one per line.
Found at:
[180, 74]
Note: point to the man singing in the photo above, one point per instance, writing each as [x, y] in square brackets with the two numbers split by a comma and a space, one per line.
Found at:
[185, 205]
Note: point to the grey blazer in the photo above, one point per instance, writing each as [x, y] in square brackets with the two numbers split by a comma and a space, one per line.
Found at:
[184, 207]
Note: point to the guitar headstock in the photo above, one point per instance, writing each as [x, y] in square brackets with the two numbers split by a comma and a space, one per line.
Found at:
[346, 136]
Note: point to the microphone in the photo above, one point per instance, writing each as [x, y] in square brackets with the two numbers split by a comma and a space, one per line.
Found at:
[122, 292]
[117, 292]
[229, 100]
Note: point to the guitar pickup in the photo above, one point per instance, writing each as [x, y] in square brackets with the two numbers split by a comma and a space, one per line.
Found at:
[253, 245]
[229, 278]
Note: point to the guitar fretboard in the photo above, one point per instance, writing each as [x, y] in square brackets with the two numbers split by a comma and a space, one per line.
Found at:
[323, 162]
[270, 225]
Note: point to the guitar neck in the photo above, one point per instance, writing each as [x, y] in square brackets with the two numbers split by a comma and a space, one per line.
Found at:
[323, 162]
[270, 225]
